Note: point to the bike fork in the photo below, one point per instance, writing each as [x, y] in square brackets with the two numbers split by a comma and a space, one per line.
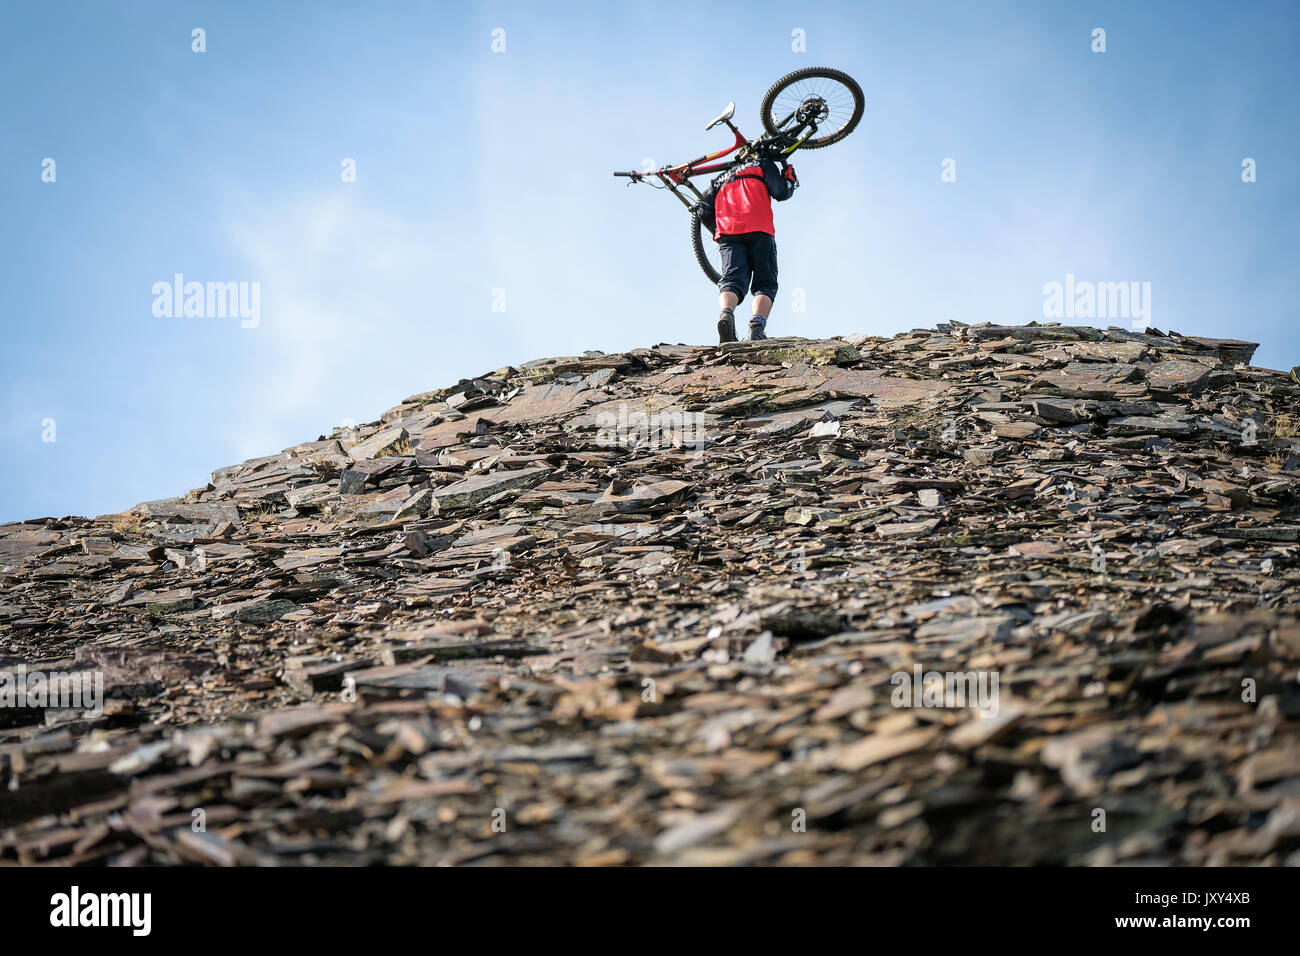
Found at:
[699, 196]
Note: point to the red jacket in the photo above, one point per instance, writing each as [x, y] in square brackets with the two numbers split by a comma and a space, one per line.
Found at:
[744, 199]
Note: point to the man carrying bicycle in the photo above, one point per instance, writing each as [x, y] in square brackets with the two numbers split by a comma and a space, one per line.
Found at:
[742, 206]
[809, 108]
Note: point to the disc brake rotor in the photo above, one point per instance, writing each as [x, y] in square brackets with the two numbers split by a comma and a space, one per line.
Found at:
[813, 110]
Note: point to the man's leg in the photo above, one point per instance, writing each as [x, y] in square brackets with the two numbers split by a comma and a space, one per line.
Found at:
[731, 287]
[762, 254]
[727, 317]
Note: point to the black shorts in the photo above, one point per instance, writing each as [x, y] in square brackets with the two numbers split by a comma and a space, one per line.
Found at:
[748, 261]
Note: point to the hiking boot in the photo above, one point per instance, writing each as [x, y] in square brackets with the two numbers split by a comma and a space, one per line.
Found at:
[726, 327]
[757, 328]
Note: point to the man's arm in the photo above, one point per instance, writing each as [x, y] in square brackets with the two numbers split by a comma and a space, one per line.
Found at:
[780, 186]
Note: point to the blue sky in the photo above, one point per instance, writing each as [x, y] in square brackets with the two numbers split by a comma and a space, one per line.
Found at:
[479, 171]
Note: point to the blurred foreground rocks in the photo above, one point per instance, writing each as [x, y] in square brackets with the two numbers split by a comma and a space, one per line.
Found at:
[685, 605]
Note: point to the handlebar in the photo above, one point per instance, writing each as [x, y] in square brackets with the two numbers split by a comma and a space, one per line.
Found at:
[632, 175]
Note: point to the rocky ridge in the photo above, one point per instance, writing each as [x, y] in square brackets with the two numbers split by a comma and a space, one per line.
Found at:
[658, 607]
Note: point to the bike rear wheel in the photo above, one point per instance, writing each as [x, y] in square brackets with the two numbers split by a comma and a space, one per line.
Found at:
[832, 95]
[707, 253]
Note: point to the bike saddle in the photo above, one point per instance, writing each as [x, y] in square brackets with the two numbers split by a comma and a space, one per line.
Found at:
[725, 115]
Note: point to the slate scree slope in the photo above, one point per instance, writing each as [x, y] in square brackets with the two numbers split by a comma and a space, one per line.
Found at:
[696, 605]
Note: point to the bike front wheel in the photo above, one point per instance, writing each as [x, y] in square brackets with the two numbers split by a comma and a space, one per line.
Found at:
[831, 97]
[706, 249]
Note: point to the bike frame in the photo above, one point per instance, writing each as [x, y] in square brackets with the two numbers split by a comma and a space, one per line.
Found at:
[674, 177]
[680, 175]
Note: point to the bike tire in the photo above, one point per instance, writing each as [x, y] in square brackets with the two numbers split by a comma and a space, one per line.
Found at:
[698, 233]
[816, 73]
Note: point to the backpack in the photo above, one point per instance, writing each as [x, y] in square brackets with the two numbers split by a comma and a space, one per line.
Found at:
[705, 207]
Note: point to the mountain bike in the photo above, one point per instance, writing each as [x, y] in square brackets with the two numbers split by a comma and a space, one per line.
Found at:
[807, 109]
